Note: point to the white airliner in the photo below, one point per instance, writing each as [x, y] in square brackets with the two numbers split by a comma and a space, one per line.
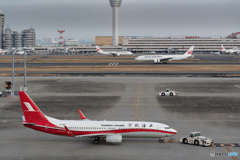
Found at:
[231, 51]
[165, 58]
[3, 51]
[114, 53]
[19, 52]
[111, 131]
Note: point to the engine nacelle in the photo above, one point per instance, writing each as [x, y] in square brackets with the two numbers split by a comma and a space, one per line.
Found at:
[157, 60]
[115, 138]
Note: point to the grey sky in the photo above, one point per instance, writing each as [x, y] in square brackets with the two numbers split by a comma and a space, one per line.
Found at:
[83, 19]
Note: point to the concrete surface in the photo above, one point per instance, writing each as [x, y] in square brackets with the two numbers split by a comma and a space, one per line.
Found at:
[208, 105]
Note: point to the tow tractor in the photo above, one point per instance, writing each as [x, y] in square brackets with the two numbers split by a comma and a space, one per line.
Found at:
[196, 139]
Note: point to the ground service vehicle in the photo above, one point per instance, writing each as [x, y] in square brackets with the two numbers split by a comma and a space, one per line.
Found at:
[196, 139]
[167, 92]
[0, 93]
[8, 86]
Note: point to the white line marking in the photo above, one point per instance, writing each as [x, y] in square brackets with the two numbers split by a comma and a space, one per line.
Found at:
[8, 102]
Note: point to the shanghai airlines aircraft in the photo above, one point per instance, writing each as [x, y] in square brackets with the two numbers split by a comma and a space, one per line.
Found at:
[165, 58]
[114, 53]
[231, 51]
[112, 131]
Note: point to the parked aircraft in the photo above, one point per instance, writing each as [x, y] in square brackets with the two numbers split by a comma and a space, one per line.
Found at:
[111, 131]
[165, 58]
[114, 53]
[3, 51]
[230, 51]
[19, 52]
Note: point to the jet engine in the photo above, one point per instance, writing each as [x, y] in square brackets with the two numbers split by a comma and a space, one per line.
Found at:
[115, 138]
[157, 60]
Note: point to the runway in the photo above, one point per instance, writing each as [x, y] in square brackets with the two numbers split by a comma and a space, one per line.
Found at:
[208, 105]
[109, 73]
[7, 65]
[201, 65]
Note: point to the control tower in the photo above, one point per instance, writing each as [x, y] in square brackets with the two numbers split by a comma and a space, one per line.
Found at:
[115, 4]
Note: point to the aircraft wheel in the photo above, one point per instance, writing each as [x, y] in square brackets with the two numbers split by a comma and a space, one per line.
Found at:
[96, 141]
[161, 140]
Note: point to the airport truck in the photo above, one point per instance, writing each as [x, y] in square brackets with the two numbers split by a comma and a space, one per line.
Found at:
[196, 139]
[8, 86]
[167, 92]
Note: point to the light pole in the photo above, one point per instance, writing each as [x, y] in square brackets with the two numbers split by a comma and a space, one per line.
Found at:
[13, 52]
[24, 69]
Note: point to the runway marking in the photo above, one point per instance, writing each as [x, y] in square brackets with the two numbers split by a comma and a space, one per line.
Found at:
[8, 102]
[38, 87]
[112, 64]
[136, 116]
[230, 152]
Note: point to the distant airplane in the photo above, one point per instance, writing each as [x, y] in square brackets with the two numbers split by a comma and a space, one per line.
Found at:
[114, 53]
[230, 51]
[19, 52]
[165, 58]
[111, 131]
[3, 51]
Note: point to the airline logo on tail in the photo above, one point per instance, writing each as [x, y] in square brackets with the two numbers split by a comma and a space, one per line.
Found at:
[28, 105]
[98, 49]
[223, 48]
[189, 51]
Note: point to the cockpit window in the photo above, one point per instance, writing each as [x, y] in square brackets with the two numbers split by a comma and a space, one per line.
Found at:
[166, 127]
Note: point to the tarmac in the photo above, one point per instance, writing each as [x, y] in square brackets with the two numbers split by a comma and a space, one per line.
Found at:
[208, 105]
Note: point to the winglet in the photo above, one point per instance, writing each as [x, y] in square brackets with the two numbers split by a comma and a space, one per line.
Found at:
[81, 115]
[70, 134]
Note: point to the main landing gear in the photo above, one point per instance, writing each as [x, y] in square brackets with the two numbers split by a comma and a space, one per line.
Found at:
[96, 141]
[161, 140]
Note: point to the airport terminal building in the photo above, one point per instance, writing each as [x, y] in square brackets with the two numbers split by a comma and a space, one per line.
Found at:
[176, 43]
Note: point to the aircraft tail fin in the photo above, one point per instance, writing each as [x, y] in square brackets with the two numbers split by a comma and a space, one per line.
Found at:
[98, 49]
[32, 114]
[189, 51]
[223, 49]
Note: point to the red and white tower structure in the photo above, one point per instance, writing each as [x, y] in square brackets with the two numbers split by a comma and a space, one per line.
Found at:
[60, 36]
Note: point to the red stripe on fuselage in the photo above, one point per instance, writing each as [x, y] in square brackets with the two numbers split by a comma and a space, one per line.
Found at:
[62, 131]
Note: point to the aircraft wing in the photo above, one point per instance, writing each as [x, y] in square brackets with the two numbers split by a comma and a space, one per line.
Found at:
[94, 135]
[114, 53]
[166, 59]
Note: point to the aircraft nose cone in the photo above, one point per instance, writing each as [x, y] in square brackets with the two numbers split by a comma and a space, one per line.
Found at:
[174, 131]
